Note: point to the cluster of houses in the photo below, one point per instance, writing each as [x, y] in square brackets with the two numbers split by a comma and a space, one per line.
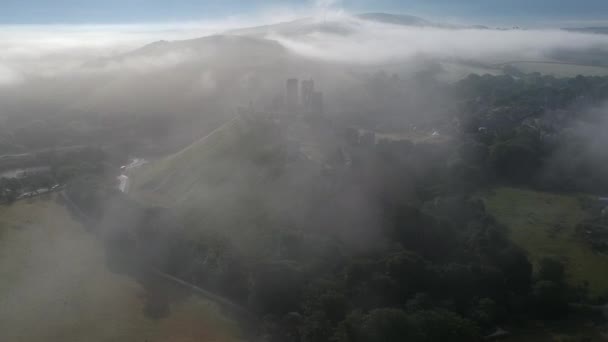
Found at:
[22, 185]
[39, 192]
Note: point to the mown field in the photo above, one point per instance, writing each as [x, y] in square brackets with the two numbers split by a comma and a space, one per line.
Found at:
[544, 225]
[54, 286]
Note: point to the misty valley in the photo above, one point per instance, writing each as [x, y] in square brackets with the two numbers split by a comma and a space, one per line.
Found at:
[344, 178]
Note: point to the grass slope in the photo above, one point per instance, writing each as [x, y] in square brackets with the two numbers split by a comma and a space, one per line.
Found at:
[169, 181]
[544, 225]
[214, 186]
[54, 286]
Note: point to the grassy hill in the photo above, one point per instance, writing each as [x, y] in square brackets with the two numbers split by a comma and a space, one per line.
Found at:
[54, 286]
[225, 182]
[544, 225]
[171, 180]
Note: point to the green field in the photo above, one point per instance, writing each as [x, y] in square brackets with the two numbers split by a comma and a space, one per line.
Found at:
[544, 225]
[54, 286]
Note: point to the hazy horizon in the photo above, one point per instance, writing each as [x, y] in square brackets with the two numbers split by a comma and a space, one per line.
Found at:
[536, 13]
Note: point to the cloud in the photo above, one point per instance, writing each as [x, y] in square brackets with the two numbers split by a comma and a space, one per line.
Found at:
[9, 76]
[50, 50]
[325, 4]
[369, 42]
[330, 34]
[43, 51]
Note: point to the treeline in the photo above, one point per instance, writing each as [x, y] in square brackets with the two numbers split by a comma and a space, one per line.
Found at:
[538, 131]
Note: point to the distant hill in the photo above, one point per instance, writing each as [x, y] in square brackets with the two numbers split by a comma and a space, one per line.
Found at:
[255, 44]
[340, 25]
[597, 30]
[300, 27]
[241, 49]
[225, 43]
[410, 20]
[397, 19]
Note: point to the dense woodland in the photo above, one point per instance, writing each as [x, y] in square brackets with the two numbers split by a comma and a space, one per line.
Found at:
[432, 264]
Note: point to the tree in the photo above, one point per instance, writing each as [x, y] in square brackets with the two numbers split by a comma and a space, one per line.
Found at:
[516, 159]
[486, 313]
[276, 288]
[325, 305]
[409, 270]
[380, 325]
[442, 325]
[552, 270]
[550, 299]
[388, 325]
[516, 268]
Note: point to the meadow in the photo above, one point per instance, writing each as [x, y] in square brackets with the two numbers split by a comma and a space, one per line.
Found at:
[55, 286]
[544, 225]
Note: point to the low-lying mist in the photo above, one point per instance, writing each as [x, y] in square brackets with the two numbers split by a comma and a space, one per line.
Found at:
[189, 71]
[355, 40]
[364, 181]
[56, 50]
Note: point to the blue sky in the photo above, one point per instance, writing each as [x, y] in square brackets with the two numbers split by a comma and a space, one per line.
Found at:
[129, 11]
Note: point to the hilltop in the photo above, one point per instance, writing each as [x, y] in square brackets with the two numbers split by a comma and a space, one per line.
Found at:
[224, 47]
[341, 25]
[238, 173]
[174, 176]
